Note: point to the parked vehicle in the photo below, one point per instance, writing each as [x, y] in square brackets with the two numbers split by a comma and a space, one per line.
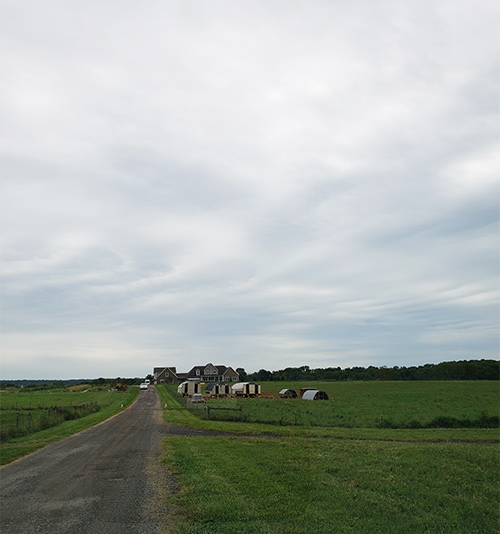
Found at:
[144, 386]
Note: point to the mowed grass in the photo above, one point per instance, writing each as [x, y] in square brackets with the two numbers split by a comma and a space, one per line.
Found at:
[372, 404]
[290, 485]
[36, 402]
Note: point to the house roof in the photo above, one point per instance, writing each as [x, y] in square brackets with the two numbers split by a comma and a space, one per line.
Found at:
[158, 370]
[221, 369]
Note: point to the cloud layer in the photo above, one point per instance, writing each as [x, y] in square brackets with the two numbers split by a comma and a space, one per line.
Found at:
[259, 184]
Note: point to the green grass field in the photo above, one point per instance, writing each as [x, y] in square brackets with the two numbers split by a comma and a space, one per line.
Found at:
[358, 479]
[265, 485]
[372, 404]
[30, 420]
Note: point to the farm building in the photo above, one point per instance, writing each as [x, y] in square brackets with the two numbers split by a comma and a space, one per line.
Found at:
[213, 373]
[187, 389]
[219, 390]
[199, 373]
[209, 387]
[246, 389]
[162, 375]
[315, 394]
[288, 394]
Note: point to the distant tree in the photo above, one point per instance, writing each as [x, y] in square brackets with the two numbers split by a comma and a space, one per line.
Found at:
[263, 375]
[460, 370]
[243, 374]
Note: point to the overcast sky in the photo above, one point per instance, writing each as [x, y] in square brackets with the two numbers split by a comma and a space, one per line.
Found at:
[259, 184]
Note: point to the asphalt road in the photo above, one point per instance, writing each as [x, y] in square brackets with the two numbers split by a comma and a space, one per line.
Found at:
[105, 480]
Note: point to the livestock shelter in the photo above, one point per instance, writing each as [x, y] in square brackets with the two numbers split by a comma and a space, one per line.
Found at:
[187, 389]
[288, 394]
[220, 390]
[246, 389]
[209, 387]
[315, 394]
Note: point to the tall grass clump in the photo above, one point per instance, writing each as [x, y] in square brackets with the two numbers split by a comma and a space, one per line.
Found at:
[22, 422]
[444, 421]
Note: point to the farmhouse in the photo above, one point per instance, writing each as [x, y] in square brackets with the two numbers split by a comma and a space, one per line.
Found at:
[213, 373]
[165, 375]
[199, 373]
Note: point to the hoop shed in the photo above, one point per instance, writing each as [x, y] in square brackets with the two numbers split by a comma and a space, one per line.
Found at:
[246, 389]
[315, 394]
[187, 389]
[288, 394]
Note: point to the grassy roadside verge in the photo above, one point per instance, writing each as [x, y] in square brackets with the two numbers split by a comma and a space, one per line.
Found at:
[240, 484]
[16, 448]
[177, 414]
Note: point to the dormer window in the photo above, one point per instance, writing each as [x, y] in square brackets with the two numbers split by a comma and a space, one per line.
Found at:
[197, 372]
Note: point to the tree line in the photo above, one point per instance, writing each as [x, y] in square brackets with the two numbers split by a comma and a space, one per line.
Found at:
[456, 370]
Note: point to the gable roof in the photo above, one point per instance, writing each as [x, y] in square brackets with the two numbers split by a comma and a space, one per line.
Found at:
[221, 369]
[159, 370]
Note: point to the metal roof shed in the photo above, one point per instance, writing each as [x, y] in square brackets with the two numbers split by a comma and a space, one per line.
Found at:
[315, 394]
[288, 394]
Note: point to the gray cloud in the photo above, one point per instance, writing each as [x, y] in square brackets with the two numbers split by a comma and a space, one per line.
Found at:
[260, 183]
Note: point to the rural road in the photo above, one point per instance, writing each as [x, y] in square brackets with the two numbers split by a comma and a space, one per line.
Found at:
[106, 479]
